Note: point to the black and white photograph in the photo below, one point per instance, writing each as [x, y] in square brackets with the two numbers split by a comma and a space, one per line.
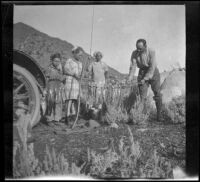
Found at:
[99, 91]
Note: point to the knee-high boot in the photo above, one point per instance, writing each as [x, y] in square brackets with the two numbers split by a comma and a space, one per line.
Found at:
[158, 102]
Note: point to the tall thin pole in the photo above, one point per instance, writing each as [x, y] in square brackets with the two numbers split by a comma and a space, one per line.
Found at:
[91, 38]
[77, 115]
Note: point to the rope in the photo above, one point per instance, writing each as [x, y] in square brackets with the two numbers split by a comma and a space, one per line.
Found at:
[79, 100]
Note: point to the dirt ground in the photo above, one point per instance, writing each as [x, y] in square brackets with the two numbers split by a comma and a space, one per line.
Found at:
[168, 139]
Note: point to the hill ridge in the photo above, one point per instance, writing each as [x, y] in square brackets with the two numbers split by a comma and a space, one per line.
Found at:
[40, 46]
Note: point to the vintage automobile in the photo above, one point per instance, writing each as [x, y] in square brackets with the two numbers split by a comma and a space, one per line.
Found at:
[29, 83]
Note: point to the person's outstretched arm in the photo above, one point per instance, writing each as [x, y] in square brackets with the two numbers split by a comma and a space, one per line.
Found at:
[152, 66]
[132, 67]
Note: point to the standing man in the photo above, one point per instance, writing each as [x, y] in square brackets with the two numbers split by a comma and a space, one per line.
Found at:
[144, 58]
[99, 73]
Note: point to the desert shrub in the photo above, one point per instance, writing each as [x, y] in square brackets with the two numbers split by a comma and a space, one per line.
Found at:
[157, 167]
[130, 108]
[103, 163]
[53, 164]
[56, 164]
[112, 164]
[25, 163]
[128, 162]
[137, 114]
[174, 112]
[22, 161]
[154, 167]
[137, 117]
[129, 157]
[115, 115]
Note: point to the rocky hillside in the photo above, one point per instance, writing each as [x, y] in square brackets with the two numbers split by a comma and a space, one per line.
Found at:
[40, 46]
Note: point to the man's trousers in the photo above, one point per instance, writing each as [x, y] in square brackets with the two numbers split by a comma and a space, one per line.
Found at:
[155, 86]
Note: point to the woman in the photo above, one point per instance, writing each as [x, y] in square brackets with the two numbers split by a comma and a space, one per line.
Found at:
[99, 74]
[55, 88]
[72, 71]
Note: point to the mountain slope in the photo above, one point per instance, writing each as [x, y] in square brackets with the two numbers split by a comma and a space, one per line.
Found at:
[40, 46]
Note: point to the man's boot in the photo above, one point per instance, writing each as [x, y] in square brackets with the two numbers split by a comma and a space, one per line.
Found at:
[158, 102]
[159, 109]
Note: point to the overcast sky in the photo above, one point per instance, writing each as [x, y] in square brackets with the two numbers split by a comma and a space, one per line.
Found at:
[116, 28]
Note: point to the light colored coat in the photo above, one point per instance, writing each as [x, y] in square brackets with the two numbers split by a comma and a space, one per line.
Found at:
[72, 85]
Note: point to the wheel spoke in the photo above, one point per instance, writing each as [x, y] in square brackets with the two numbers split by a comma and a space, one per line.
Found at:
[18, 77]
[24, 97]
[31, 103]
[21, 97]
[18, 88]
[20, 106]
